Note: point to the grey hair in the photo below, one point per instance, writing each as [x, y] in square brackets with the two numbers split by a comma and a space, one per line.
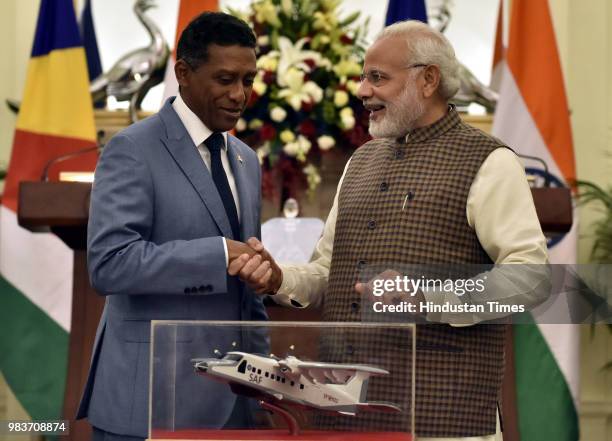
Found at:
[428, 46]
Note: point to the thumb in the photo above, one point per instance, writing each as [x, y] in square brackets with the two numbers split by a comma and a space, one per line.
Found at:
[254, 243]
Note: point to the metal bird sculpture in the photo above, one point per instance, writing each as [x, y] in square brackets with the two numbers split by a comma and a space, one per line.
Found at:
[135, 73]
[471, 90]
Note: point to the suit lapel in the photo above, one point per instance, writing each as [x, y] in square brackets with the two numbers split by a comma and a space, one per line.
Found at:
[181, 147]
[239, 169]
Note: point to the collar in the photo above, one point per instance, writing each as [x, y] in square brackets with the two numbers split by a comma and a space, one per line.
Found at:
[197, 130]
[441, 126]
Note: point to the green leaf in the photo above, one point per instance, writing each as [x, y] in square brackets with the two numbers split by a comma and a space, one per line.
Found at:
[350, 19]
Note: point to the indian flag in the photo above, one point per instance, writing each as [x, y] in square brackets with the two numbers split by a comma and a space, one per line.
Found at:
[55, 118]
[532, 117]
[188, 10]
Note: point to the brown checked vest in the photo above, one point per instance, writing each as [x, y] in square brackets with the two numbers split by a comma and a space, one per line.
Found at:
[405, 203]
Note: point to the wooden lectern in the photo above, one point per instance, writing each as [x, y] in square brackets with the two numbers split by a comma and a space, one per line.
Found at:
[63, 209]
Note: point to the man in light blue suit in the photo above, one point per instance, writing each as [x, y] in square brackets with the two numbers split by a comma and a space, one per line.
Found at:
[174, 196]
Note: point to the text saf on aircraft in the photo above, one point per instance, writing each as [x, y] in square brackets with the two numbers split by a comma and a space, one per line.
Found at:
[334, 387]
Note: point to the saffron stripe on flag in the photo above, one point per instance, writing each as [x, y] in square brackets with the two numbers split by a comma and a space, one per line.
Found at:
[532, 117]
[188, 10]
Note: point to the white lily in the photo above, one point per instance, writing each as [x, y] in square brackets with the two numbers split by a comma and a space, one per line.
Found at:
[297, 91]
[267, 62]
[290, 55]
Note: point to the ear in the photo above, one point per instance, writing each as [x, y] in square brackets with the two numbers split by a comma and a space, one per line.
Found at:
[182, 71]
[431, 77]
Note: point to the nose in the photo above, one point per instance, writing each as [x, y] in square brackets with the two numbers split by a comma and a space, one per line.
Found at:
[238, 93]
[364, 90]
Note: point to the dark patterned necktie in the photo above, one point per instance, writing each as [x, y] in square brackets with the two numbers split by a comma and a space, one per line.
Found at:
[215, 143]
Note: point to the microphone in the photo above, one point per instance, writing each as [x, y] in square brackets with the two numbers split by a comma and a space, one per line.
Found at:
[544, 165]
[44, 177]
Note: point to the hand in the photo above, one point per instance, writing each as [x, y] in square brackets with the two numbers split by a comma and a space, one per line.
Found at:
[236, 249]
[259, 271]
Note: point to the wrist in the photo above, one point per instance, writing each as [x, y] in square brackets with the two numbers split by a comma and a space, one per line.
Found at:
[277, 280]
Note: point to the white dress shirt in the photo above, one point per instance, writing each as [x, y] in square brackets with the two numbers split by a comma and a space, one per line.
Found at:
[199, 133]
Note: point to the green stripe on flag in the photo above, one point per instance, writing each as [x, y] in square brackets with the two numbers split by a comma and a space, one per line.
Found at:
[546, 409]
[34, 352]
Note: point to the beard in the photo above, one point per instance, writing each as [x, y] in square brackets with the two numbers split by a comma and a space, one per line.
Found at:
[400, 115]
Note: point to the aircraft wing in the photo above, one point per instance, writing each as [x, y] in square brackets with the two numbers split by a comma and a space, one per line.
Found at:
[328, 373]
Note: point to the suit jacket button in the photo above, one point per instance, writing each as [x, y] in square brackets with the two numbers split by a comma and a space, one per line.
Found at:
[372, 224]
[355, 307]
[209, 288]
[362, 264]
[186, 290]
[350, 349]
[201, 288]
[384, 186]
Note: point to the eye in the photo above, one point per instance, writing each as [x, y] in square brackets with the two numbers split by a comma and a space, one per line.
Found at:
[376, 77]
[373, 77]
[248, 82]
[225, 80]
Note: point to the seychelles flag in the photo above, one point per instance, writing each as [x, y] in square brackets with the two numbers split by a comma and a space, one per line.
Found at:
[399, 10]
[56, 118]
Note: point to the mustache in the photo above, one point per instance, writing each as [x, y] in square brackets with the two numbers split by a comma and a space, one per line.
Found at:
[366, 103]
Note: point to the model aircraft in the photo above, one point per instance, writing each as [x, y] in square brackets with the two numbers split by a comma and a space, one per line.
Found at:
[340, 388]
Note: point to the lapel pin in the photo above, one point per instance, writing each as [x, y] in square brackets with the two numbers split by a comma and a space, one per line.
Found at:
[239, 159]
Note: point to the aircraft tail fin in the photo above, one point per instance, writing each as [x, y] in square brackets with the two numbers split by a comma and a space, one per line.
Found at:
[358, 386]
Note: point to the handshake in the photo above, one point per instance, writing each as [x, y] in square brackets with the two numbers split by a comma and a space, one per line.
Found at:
[253, 264]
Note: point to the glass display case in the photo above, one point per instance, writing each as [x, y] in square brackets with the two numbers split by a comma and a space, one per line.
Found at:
[215, 380]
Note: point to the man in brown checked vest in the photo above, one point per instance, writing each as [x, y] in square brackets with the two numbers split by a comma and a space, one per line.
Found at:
[428, 189]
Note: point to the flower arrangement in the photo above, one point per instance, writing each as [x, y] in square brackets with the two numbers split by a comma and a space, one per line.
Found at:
[304, 100]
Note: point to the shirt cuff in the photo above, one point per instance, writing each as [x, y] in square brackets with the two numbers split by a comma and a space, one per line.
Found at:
[285, 294]
[226, 253]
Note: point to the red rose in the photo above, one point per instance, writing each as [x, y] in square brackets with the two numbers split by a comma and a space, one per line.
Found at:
[269, 77]
[307, 128]
[310, 63]
[253, 99]
[307, 106]
[267, 132]
[345, 39]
